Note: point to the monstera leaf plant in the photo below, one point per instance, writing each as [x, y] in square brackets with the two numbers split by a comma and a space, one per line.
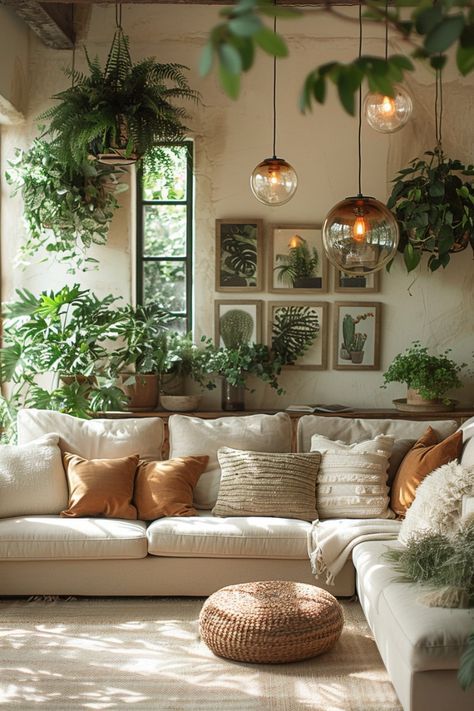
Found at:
[293, 331]
[433, 201]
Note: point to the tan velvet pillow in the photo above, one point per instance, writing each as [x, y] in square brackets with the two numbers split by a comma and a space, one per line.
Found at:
[100, 487]
[166, 488]
[426, 455]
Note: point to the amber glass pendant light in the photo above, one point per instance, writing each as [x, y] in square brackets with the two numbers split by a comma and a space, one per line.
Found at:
[388, 114]
[360, 234]
[274, 181]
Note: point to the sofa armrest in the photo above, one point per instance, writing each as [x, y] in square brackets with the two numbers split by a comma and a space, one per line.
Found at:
[467, 505]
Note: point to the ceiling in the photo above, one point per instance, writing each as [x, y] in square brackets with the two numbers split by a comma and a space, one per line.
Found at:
[53, 20]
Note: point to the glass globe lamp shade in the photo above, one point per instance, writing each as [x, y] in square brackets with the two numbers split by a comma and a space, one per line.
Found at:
[274, 181]
[360, 235]
[388, 114]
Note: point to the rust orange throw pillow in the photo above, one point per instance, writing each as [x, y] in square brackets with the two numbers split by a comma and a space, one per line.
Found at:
[166, 488]
[100, 487]
[426, 455]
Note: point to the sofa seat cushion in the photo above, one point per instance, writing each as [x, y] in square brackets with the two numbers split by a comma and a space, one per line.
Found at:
[426, 638]
[52, 537]
[209, 536]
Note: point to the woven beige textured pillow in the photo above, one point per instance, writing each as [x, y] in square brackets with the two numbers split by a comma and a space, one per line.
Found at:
[352, 479]
[267, 484]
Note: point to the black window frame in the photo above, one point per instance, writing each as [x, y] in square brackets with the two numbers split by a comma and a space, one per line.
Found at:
[141, 259]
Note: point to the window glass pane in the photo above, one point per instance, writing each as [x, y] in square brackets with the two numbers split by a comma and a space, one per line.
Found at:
[164, 230]
[165, 283]
[164, 173]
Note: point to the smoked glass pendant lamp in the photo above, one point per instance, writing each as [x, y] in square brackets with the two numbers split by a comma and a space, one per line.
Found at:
[274, 181]
[388, 114]
[360, 234]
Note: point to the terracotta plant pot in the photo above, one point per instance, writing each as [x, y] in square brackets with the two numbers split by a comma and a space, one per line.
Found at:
[414, 398]
[357, 356]
[143, 393]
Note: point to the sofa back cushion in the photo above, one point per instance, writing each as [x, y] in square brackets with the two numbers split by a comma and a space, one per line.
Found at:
[467, 456]
[352, 479]
[350, 430]
[95, 439]
[193, 436]
[32, 479]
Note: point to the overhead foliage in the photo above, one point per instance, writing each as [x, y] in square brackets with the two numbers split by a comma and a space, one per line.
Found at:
[431, 29]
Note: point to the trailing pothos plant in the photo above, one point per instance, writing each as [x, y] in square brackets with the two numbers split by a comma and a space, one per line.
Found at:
[433, 202]
[66, 209]
[120, 112]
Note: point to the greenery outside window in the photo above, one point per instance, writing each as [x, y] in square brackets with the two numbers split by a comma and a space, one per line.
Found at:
[164, 231]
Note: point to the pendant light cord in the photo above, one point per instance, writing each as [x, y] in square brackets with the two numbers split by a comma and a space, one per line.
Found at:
[359, 136]
[386, 30]
[274, 89]
[438, 110]
[73, 62]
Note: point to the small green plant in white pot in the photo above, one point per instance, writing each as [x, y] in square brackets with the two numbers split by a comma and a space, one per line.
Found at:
[428, 377]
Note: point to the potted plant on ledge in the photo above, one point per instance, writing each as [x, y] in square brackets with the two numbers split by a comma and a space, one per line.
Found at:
[428, 378]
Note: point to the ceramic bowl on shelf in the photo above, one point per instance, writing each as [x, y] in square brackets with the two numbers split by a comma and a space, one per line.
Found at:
[180, 403]
[429, 406]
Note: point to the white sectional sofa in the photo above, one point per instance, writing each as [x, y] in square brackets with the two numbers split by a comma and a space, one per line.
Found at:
[44, 554]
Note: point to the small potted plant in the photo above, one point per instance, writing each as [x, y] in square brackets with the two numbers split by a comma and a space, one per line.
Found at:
[428, 377]
[183, 360]
[433, 201]
[352, 347]
[299, 268]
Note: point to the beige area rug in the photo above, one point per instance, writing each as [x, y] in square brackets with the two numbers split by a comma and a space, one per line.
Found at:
[145, 653]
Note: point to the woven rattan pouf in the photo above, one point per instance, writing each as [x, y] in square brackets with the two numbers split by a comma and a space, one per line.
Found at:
[270, 622]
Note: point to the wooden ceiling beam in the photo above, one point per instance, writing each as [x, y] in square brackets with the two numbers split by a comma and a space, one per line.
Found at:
[52, 22]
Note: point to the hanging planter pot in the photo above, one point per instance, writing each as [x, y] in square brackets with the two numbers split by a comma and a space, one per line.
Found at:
[118, 113]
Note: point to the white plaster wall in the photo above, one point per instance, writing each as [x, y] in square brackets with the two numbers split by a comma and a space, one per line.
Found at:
[230, 139]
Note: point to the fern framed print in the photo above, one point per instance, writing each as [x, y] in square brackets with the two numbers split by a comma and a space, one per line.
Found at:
[356, 335]
[237, 322]
[346, 283]
[297, 331]
[297, 262]
[239, 255]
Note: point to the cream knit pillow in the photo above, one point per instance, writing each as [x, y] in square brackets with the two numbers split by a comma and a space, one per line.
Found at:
[352, 479]
[267, 484]
[438, 502]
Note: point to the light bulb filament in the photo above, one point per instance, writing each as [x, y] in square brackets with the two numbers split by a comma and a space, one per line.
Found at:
[359, 229]
[388, 106]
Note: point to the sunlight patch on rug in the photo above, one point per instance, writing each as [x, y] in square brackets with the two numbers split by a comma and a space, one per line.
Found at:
[145, 653]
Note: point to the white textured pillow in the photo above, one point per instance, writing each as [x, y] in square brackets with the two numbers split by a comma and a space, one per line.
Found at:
[437, 506]
[32, 478]
[193, 436]
[352, 479]
[267, 484]
[95, 439]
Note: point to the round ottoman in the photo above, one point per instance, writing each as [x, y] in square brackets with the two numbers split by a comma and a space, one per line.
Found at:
[271, 622]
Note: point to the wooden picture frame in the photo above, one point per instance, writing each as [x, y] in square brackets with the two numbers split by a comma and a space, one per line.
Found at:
[239, 258]
[293, 273]
[252, 308]
[347, 284]
[365, 354]
[315, 358]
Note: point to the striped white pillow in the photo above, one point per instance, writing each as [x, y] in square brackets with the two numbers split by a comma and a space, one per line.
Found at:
[267, 484]
[352, 479]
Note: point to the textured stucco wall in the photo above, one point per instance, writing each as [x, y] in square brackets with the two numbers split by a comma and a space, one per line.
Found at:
[230, 138]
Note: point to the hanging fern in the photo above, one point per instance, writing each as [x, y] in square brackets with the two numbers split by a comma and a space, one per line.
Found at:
[124, 107]
[294, 329]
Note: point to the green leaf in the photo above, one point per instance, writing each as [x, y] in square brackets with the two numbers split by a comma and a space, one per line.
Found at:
[438, 61]
[444, 34]
[427, 19]
[245, 26]
[230, 59]
[465, 59]
[229, 82]
[319, 90]
[205, 60]
[271, 42]
[245, 47]
[437, 189]
[466, 666]
[411, 257]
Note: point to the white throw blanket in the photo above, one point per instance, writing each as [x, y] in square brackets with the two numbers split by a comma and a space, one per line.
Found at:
[330, 542]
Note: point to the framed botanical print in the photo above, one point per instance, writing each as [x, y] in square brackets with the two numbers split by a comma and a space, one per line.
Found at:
[239, 255]
[237, 322]
[356, 335]
[297, 262]
[297, 331]
[366, 284]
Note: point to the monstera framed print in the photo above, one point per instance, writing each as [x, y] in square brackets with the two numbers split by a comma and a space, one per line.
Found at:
[239, 255]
